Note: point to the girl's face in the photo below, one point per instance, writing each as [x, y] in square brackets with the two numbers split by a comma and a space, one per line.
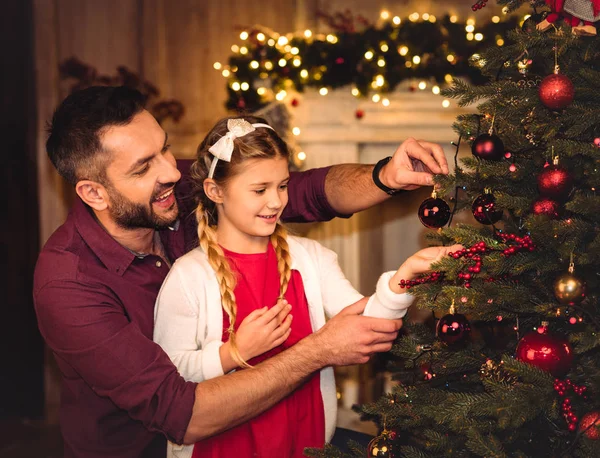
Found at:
[252, 202]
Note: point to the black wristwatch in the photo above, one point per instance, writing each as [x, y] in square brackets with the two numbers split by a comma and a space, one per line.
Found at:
[378, 182]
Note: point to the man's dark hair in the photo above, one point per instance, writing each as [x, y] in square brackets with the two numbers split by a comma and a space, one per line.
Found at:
[73, 144]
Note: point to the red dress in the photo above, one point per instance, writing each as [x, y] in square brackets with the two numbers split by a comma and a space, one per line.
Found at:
[296, 422]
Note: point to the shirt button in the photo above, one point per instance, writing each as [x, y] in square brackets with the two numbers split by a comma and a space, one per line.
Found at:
[158, 263]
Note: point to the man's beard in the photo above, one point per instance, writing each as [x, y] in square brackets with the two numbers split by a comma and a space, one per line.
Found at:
[130, 215]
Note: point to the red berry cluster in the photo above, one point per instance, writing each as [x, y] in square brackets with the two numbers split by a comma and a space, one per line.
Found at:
[520, 243]
[433, 276]
[561, 388]
[473, 254]
[480, 4]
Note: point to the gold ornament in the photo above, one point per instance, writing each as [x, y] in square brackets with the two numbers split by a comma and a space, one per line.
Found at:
[569, 289]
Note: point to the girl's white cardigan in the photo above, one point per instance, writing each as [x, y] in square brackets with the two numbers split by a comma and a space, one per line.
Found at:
[189, 317]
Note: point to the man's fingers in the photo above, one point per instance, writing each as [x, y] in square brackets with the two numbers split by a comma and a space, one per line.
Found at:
[383, 325]
[416, 151]
[417, 178]
[438, 153]
[381, 347]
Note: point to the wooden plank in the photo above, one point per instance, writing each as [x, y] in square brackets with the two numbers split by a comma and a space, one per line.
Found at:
[102, 33]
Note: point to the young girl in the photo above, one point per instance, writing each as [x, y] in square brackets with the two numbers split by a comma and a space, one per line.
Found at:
[214, 311]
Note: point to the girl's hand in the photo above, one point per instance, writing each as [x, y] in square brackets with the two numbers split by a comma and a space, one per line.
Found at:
[419, 263]
[260, 331]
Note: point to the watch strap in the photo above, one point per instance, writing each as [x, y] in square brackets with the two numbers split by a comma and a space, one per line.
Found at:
[378, 182]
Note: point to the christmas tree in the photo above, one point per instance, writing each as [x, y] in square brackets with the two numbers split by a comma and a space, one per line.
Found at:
[509, 365]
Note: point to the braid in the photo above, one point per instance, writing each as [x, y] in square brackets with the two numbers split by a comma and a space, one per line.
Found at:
[284, 261]
[208, 242]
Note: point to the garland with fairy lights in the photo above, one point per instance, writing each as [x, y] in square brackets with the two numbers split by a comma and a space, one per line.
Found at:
[369, 58]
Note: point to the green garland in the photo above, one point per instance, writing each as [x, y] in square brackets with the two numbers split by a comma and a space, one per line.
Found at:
[373, 60]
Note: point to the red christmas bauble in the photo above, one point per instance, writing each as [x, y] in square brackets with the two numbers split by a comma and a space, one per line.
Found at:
[485, 209]
[551, 353]
[555, 182]
[295, 102]
[590, 425]
[556, 91]
[547, 207]
[488, 147]
[434, 212]
[453, 328]
[359, 114]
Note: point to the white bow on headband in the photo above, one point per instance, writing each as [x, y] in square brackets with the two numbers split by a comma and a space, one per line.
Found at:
[223, 148]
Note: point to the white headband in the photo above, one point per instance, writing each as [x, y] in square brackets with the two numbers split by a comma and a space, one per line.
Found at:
[223, 148]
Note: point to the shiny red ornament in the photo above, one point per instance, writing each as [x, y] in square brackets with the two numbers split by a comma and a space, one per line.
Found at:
[485, 209]
[555, 182]
[590, 425]
[556, 91]
[295, 102]
[546, 207]
[453, 328]
[549, 352]
[488, 147]
[359, 114]
[434, 212]
[597, 142]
